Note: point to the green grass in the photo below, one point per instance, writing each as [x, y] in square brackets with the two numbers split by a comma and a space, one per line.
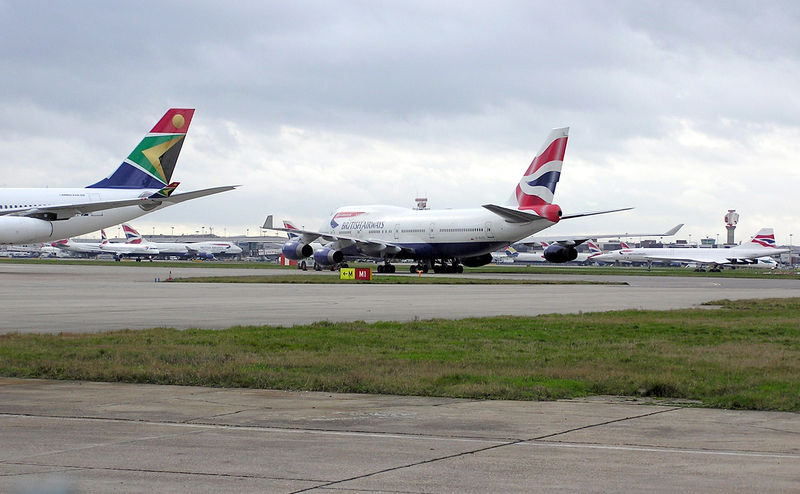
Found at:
[547, 269]
[746, 354]
[309, 278]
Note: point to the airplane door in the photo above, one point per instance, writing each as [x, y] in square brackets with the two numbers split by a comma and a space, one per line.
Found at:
[397, 232]
[489, 232]
[432, 230]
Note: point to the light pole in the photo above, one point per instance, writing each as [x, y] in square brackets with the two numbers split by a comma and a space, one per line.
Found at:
[173, 230]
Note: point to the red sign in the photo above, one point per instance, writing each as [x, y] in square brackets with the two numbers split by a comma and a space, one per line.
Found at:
[363, 274]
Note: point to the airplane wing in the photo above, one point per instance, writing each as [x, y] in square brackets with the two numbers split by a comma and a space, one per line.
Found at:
[66, 211]
[573, 240]
[367, 246]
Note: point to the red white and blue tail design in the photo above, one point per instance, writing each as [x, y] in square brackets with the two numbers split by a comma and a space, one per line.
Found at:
[765, 238]
[290, 226]
[131, 235]
[538, 186]
[594, 250]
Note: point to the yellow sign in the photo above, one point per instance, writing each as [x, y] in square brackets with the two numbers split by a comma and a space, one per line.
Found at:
[347, 273]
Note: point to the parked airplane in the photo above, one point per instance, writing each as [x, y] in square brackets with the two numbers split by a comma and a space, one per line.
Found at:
[88, 248]
[203, 250]
[453, 238]
[761, 245]
[141, 184]
[511, 255]
[125, 249]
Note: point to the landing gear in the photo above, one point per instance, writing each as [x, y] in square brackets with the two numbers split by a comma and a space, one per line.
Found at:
[414, 269]
[386, 268]
[302, 266]
[444, 267]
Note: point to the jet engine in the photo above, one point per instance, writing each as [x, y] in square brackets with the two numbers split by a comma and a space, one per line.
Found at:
[295, 250]
[325, 256]
[22, 229]
[558, 253]
[477, 261]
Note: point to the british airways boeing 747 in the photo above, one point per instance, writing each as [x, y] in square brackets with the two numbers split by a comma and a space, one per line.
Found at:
[441, 240]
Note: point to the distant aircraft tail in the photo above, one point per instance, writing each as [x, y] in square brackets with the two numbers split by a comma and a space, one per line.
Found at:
[511, 251]
[623, 245]
[131, 235]
[290, 226]
[537, 187]
[593, 248]
[151, 163]
[103, 237]
[765, 238]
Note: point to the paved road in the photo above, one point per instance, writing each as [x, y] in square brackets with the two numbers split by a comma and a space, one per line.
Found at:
[70, 298]
[106, 437]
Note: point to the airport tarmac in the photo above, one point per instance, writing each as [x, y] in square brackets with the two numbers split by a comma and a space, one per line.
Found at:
[77, 298]
[111, 437]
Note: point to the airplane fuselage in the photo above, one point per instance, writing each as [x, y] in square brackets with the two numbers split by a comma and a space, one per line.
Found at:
[429, 233]
[21, 229]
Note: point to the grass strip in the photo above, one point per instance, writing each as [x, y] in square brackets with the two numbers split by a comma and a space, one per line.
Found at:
[744, 355]
[383, 280]
[496, 269]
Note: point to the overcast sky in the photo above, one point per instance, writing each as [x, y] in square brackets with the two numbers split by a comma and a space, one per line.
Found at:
[681, 109]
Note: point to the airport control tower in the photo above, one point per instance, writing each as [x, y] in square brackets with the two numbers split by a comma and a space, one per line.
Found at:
[730, 224]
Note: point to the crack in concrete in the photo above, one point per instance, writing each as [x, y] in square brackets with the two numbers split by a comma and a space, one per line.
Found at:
[480, 450]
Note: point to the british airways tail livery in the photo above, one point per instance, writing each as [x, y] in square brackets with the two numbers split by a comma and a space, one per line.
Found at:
[442, 240]
[141, 184]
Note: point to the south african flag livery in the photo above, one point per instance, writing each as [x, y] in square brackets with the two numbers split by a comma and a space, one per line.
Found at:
[151, 163]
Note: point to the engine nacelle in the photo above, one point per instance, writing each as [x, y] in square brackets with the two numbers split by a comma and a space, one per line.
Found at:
[477, 261]
[295, 250]
[22, 229]
[325, 256]
[205, 255]
[558, 253]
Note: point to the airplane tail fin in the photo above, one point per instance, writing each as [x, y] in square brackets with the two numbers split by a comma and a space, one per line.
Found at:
[537, 187]
[151, 163]
[623, 245]
[103, 237]
[131, 235]
[511, 251]
[593, 248]
[765, 238]
[290, 226]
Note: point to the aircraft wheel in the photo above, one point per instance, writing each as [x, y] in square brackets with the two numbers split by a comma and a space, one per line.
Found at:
[303, 266]
[380, 268]
[459, 269]
[391, 268]
[412, 269]
[425, 268]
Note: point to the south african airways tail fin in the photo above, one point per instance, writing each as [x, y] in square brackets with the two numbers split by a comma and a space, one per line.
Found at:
[152, 161]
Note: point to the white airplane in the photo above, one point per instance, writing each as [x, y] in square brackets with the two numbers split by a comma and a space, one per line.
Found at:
[444, 240]
[203, 250]
[511, 255]
[89, 248]
[140, 185]
[761, 245]
[125, 249]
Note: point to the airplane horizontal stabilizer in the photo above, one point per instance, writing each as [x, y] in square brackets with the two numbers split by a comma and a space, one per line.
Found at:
[66, 211]
[592, 213]
[513, 215]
